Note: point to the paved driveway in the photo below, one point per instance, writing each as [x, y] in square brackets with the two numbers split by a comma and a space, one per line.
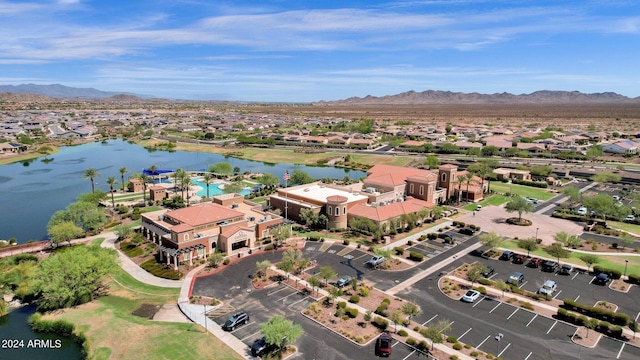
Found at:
[493, 218]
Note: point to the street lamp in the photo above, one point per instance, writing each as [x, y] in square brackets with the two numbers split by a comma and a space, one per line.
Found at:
[626, 262]
[537, 234]
[498, 338]
[205, 318]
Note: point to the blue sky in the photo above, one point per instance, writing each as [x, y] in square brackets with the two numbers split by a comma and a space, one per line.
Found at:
[302, 50]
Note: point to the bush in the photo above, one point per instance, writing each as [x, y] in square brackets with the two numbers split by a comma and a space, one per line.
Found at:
[411, 341]
[402, 332]
[17, 259]
[415, 256]
[482, 290]
[354, 299]
[345, 242]
[342, 305]
[399, 250]
[485, 282]
[269, 247]
[381, 310]
[386, 301]
[131, 250]
[380, 323]
[226, 262]
[432, 236]
[457, 346]
[351, 312]
[160, 270]
[634, 279]
[423, 345]
[364, 291]
[452, 339]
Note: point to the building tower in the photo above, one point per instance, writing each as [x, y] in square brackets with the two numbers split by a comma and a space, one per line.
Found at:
[337, 212]
[447, 178]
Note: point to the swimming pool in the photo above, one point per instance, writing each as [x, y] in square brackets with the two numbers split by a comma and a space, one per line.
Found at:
[214, 189]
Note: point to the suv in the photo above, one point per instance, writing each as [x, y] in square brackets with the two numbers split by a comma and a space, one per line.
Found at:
[548, 288]
[550, 266]
[239, 318]
[517, 278]
[467, 231]
[384, 344]
[488, 271]
[534, 263]
[507, 255]
[261, 347]
[344, 281]
[566, 269]
[602, 279]
[375, 261]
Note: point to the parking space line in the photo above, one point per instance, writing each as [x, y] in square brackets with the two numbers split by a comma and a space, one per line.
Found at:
[637, 316]
[396, 343]
[552, 326]
[243, 326]
[483, 341]
[301, 300]
[248, 336]
[620, 352]
[528, 356]
[465, 333]
[474, 305]
[360, 257]
[523, 284]
[406, 357]
[574, 276]
[426, 322]
[513, 313]
[592, 280]
[558, 293]
[576, 299]
[530, 321]
[505, 349]
[495, 307]
[492, 276]
[273, 292]
[285, 297]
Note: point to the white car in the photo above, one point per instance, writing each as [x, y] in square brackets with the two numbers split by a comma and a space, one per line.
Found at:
[582, 210]
[630, 218]
[548, 288]
[375, 261]
[471, 296]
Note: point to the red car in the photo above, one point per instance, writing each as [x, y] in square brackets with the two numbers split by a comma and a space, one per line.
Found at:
[383, 345]
[534, 263]
[519, 259]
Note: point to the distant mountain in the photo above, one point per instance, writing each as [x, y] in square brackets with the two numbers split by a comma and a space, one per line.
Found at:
[448, 97]
[60, 91]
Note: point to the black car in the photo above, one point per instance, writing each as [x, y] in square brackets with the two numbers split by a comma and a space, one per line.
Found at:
[550, 266]
[261, 347]
[481, 252]
[467, 231]
[507, 256]
[239, 318]
[489, 270]
[602, 279]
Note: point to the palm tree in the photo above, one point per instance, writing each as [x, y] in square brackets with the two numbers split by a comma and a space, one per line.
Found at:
[111, 181]
[484, 171]
[185, 182]
[177, 175]
[153, 169]
[468, 179]
[123, 171]
[459, 181]
[207, 178]
[91, 174]
[145, 179]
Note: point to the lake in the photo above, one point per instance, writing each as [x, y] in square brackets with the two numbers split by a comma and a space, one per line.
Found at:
[31, 191]
[14, 326]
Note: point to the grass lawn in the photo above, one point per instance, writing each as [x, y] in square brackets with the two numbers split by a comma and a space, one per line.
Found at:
[632, 228]
[522, 190]
[607, 261]
[495, 200]
[114, 333]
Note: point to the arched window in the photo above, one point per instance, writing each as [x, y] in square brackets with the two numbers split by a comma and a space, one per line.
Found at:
[444, 177]
[344, 210]
[410, 188]
[421, 189]
[329, 211]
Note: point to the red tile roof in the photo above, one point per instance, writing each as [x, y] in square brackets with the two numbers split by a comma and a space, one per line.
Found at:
[230, 230]
[203, 214]
[337, 198]
[393, 175]
[386, 212]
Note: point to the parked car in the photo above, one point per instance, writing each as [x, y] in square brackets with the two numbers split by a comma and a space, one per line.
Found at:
[344, 281]
[375, 261]
[548, 288]
[383, 345]
[478, 207]
[471, 296]
[261, 347]
[517, 278]
[519, 259]
[467, 231]
[481, 252]
[616, 197]
[534, 200]
[446, 237]
[534, 263]
[630, 218]
[489, 270]
[566, 269]
[582, 210]
[550, 266]
[507, 255]
[239, 318]
[602, 279]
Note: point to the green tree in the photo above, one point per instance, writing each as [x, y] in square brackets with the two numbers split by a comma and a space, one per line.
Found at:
[207, 179]
[490, 150]
[568, 240]
[153, 169]
[123, 231]
[144, 178]
[468, 179]
[280, 234]
[591, 324]
[573, 193]
[397, 317]
[491, 239]
[605, 177]
[326, 273]
[314, 281]
[234, 187]
[519, 204]
[91, 174]
[262, 267]
[221, 168]
[215, 259]
[431, 161]
[557, 250]
[589, 259]
[626, 240]
[73, 277]
[123, 171]
[84, 215]
[501, 285]
[299, 177]
[602, 204]
[435, 332]
[64, 231]
[411, 309]
[475, 273]
[279, 331]
[541, 170]
[595, 152]
[529, 244]
[268, 179]
[112, 182]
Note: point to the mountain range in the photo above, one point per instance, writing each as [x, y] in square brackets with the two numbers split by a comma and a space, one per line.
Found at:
[436, 97]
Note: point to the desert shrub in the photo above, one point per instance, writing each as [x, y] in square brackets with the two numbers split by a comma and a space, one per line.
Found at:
[380, 323]
[364, 291]
[457, 346]
[354, 299]
[482, 290]
[411, 341]
[402, 332]
[452, 339]
[386, 301]
[160, 270]
[351, 312]
[486, 282]
[226, 262]
[381, 310]
[269, 247]
[342, 304]
[423, 345]
[345, 242]
[399, 250]
[415, 256]
[634, 278]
